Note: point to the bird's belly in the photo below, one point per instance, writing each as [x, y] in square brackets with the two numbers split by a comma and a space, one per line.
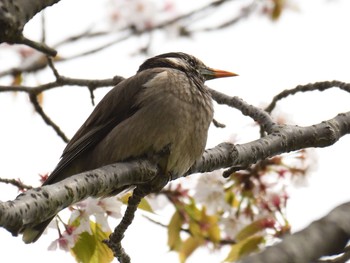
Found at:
[171, 125]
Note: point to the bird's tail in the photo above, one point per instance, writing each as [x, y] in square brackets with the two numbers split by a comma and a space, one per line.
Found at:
[32, 234]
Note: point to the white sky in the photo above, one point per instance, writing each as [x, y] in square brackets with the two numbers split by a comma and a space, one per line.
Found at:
[307, 45]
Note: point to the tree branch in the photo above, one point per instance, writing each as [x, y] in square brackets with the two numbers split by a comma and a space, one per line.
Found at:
[33, 206]
[36, 205]
[34, 100]
[320, 86]
[14, 14]
[60, 81]
[285, 138]
[258, 115]
[63, 81]
[17, 183]
[326, 236]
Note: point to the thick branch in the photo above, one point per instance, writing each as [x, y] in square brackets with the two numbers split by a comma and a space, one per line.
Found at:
[38, 204]
[14, 14]
[284, 139]
[326, 236]
[32, 207]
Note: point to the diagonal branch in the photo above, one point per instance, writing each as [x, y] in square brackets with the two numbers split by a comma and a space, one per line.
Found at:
[285, 139]
[326, 236]
[258, 115]
[38, 204]
[34, 100]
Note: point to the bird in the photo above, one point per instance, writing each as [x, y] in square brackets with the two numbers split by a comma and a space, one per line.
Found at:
[164, 108]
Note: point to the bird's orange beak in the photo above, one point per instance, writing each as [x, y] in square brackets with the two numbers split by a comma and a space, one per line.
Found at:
[222, 73]
[210, 73]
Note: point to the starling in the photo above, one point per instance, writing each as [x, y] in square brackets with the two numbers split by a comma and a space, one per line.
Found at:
[165, 108]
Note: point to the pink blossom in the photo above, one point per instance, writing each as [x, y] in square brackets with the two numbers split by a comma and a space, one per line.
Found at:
[66, 241]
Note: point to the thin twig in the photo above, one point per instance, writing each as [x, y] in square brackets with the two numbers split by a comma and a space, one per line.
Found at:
[218, 124]
[53, 68]
[258, 115]
[92, 95]
[34, 100]
[135, 32]
[124, 34]
[33, 92]
[16, 182]
[42, 47]
[185, 230]
[43, 27]
[64, 81]
[245, 12]
[320, 86]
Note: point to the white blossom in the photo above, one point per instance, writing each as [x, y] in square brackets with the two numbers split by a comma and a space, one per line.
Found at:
[209, 192]
[232, 224]
[101, 209]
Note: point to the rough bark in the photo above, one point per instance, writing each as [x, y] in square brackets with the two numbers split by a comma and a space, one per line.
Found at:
[326, 236]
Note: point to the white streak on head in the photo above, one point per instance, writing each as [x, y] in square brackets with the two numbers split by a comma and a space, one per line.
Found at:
[178, 61]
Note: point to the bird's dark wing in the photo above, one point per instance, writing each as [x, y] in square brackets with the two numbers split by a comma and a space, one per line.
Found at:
[116, 106]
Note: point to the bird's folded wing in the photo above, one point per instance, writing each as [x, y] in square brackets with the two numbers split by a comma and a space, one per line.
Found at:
[115, 107]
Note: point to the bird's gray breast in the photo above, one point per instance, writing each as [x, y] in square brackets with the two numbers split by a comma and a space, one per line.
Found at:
[172, 113]
[182, 115]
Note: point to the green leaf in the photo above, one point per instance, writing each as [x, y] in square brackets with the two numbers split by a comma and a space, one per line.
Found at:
[250, 230]
[192, 210]
[209, 226]
[203, 225]
[243, 248]
[214, 229]
[195, 229]
[230, 198]
[145, 206]
[174, 229]
[90, 249]
[188, 247]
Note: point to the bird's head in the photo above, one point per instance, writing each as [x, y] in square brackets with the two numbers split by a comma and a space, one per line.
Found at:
[190, 65]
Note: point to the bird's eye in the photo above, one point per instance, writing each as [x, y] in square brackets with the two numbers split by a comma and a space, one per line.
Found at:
[192, 63]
